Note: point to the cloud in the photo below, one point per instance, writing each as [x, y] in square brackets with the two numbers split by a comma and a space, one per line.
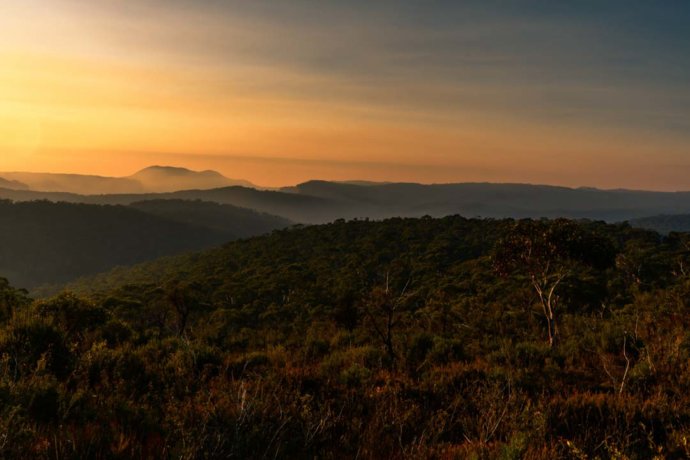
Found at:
[390, 81]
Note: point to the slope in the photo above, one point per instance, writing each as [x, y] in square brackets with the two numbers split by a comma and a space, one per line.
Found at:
[154, 179]
[498, 200]
[231, 221]
[297, 208]
[664, 224]
[319, 202]
[299, 259]
[47, 242]
[75, 183]
[170, 179]
[12, 184]
[399, 338]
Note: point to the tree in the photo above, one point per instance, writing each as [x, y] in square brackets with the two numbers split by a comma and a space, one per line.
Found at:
[680, 244]
[384, 308]
[73, 315]
[186, 298]
[547, 253]
[10, 299]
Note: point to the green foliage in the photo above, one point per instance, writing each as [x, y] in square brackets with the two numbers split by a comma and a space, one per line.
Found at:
[50, 243]
[547, 254]
[393, 339]
[10, 300]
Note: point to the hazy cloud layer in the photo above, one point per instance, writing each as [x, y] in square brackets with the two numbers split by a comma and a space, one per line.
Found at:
[440, 83]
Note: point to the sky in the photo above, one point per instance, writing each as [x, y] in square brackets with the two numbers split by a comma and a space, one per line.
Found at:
[578, 93]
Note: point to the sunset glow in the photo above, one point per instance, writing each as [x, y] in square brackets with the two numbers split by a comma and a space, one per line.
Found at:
[279, 94]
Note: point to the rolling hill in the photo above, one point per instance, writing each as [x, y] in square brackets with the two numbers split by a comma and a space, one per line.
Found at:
[171, 179]
[12, 184]
[319, 202]
[45, 243]
[151, 179]
[369, 336]
[495, 200]
[295, 207]
[231, 221]
[664, 224]
[74, 183]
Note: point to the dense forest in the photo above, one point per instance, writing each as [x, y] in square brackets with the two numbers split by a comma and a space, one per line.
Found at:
[50, 243]
[404, 338]
[664, 224]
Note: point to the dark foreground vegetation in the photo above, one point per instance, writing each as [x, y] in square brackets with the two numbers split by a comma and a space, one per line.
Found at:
[408, 338]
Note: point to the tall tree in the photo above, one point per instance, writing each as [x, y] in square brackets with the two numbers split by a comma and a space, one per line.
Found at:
[546, 253]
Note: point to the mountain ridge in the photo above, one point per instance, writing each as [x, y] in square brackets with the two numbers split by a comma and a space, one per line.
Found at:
[12, 184]
[316, 202]
[172, 178]
[664, 223]
[46, 243]
[152, 179]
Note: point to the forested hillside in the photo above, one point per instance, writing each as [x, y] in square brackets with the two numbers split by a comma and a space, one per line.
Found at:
[407, 338]
[48, 243]
[297, 208]
[493, 200]
[664, 224]
[228, 220]
[318, 202]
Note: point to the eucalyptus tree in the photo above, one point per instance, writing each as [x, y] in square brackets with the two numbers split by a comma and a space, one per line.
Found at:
[545, 253]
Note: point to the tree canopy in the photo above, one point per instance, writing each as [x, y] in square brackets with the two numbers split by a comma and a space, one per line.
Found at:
[404, 338]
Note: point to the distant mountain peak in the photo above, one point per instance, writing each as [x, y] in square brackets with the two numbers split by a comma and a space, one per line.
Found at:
[153, 179]
[171, 178]
[12, 184]
[175, 170]
[165, 168]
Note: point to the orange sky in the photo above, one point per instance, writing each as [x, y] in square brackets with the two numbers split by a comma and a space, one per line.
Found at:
[277, 97]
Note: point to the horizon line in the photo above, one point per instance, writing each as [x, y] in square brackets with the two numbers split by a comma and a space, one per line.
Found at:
[353, 181]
